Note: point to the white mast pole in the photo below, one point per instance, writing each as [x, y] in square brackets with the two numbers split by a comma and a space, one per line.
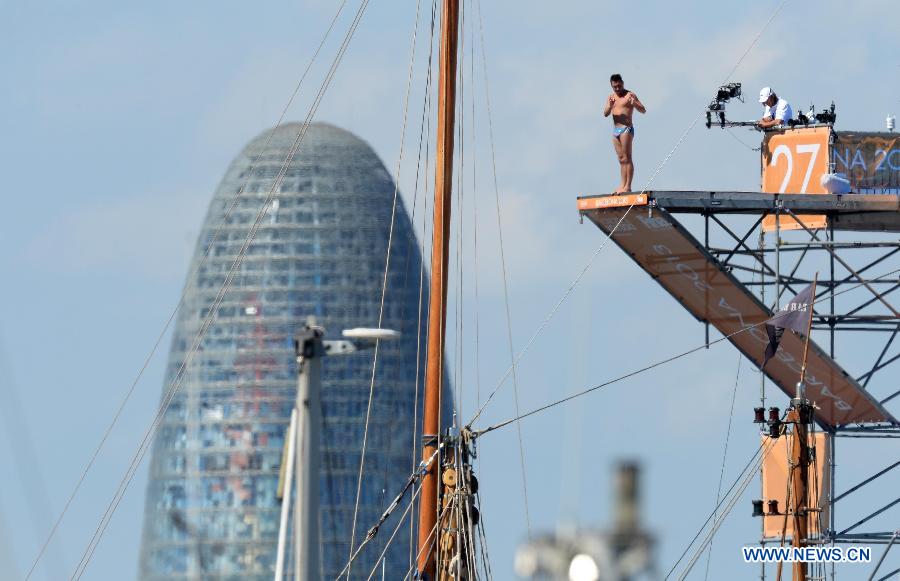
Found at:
[310, 351]
[286, 497]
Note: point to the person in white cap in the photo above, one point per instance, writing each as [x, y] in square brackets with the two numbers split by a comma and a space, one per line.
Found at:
[778, 111]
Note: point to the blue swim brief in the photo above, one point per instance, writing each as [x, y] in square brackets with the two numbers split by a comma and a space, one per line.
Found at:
[618, 131]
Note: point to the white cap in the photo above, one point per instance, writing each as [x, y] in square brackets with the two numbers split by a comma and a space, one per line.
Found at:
[765, 93]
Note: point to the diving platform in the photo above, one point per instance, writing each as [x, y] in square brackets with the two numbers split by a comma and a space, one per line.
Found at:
[857, 212]
[705, 280]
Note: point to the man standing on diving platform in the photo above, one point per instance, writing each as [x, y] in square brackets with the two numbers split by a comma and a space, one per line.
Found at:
[622, 103]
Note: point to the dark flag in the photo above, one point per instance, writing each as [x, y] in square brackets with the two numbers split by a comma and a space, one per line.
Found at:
[794, 314]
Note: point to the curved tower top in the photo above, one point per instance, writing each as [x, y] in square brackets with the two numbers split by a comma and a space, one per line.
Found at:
[320, 250]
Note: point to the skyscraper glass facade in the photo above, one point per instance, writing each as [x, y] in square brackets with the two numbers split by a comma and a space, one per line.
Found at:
[211, 509]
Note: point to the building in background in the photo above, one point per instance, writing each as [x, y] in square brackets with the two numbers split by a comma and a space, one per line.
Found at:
[623, 552]
[211, 507]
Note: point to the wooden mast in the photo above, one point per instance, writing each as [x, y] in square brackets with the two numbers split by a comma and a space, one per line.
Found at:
[437, 301]
[800, 453]
[800, 483]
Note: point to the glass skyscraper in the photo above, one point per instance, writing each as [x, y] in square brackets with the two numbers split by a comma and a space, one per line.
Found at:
[211, 509]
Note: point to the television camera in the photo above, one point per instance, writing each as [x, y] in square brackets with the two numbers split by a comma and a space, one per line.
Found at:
[715, 112]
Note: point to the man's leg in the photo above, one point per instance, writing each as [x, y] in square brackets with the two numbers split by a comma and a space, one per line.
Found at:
[628, 165]
[620, 154]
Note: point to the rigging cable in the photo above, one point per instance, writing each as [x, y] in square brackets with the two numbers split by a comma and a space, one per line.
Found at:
[661, 362]
[425, 126]
[485, 562]
[171, 318]
[512, 357]
[429, 541]
[482, 541]
[387, 263]
[624, 215]
[718, 523]
[387, 545]
[725, 454]
[144, 445]
[712, 515]
[424, 137]
[373, 530]
[457, 377]
[741, 141]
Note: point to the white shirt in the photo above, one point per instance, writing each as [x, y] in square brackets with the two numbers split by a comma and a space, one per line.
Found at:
[782, 111]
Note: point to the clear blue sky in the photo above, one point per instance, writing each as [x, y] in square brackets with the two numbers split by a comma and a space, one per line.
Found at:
[119, 121]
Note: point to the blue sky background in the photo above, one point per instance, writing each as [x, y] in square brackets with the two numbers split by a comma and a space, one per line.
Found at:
[120, 120]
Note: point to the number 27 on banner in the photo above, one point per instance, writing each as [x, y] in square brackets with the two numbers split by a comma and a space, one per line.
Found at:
[793, 162]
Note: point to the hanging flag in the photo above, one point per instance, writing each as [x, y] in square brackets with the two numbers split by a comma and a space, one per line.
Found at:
[794, 314]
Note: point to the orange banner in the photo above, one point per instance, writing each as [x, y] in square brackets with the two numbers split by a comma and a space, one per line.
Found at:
[793, 162]
[592, 203]
[677, 261]
[775, 481]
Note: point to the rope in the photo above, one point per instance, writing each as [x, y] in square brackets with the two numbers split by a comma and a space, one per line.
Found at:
[725, 454]
[712, 515]
[394, 533]
[387, 263]
[481, 539]
[475, 220]
[171, 318]
[373, 530]
[429, 542]
[485, 562]
[737, 495]
[624, 215]
[741, 141]
[425, 232]
[424, 139]
[144, 445]
[659, 363]
[457, 379]
[512, 357]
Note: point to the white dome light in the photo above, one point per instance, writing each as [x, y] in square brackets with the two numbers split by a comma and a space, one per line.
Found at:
[583, 568]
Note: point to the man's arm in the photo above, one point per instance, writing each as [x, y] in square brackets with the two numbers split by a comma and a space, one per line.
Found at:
[768, 122]
[774, 118]
[609, 105]
[637, 103]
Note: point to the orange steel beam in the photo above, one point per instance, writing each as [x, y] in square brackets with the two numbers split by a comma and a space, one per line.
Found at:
[437, 301]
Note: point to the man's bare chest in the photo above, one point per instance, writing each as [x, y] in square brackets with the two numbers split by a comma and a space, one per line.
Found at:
[622, 106]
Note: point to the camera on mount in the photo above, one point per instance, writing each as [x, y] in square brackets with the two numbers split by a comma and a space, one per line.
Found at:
[827, 117]
[728, 92]
[717, 105]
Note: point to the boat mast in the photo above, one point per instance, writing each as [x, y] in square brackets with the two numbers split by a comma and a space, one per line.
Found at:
[800, 455]
[437, 301]
[800, 461]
